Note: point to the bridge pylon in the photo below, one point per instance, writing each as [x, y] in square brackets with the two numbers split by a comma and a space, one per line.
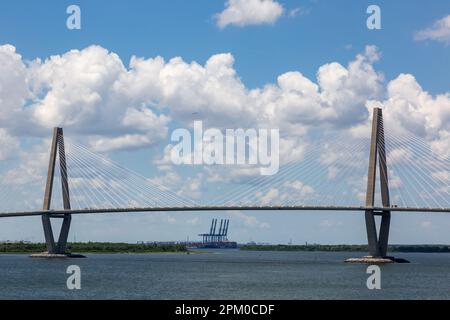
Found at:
[57, 148]
[378, 243]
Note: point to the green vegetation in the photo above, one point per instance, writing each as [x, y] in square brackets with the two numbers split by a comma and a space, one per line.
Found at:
[94, 247]
[421, 248]
[346, 248]
[312, 247]
[107, 247]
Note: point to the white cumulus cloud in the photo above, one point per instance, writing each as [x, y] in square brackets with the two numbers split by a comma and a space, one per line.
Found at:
[439, 31]
[92, 93]
[249, 12]
[408, 108]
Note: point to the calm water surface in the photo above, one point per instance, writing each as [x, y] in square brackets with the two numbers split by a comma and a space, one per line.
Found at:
[224, 274]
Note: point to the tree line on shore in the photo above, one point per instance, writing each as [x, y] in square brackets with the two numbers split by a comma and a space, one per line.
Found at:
[109, 247]
[346, 248]
[93, 247]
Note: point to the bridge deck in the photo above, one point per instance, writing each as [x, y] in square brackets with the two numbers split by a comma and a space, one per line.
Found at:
[222, 208]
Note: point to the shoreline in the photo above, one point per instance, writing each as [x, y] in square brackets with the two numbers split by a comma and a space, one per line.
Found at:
[94, 248]
[347, 248]
[124, 248]
[104, 253]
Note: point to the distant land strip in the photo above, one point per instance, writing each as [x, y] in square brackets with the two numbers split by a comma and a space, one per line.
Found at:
[347, 248]
[93, 247]
[110, 247]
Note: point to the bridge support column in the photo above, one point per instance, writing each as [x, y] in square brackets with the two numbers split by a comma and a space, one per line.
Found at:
[378, 244]
[56, 248]
[377, 241]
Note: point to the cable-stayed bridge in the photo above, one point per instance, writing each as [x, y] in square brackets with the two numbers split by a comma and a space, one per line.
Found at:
[375, 174]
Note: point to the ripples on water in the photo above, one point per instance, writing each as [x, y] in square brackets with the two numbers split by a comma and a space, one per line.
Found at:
[226, 274]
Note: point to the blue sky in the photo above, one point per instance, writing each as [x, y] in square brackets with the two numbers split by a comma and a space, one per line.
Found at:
[324, 32]
[187, 29]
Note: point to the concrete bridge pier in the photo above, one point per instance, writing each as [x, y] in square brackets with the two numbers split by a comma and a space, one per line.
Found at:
[56, 249]
[377, 242]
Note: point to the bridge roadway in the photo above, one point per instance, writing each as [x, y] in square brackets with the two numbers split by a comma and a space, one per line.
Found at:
[60, 213]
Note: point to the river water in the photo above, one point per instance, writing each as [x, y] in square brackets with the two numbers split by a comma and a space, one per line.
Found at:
[224, 274]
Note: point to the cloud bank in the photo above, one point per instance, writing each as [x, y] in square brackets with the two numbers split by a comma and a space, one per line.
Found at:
[93, 93]
[114, 107]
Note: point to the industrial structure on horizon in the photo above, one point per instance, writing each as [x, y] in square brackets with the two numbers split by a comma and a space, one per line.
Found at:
[217, 239]
[211, 240]
[212, 236]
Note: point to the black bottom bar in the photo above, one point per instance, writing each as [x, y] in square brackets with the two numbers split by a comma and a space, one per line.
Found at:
[226, 309]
